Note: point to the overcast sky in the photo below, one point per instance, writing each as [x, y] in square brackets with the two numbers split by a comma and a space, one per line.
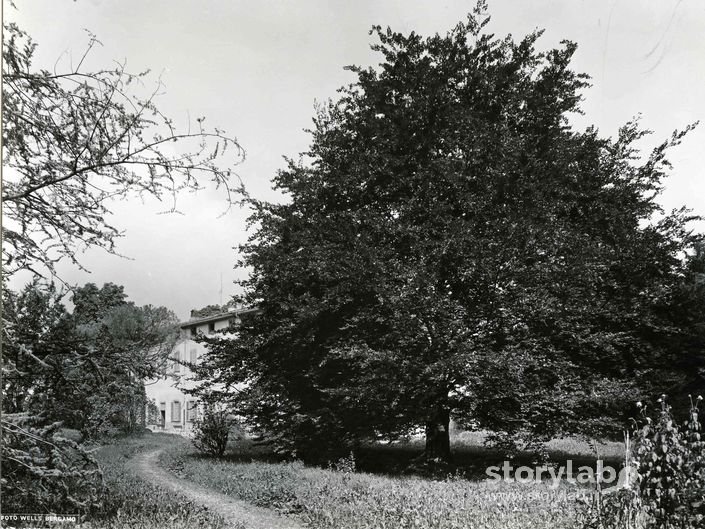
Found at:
[255, 69]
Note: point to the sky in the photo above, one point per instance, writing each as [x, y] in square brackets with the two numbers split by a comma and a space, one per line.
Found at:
[256, 69]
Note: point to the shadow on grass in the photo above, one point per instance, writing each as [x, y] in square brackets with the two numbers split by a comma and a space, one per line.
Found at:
[470, 460]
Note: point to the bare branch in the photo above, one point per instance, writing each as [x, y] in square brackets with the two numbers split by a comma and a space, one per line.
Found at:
[75, 140]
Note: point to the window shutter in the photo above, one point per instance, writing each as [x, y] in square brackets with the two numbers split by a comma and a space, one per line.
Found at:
[191, 410]
[176, 411]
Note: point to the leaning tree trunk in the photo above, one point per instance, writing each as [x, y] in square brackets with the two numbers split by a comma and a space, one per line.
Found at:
[437, 435]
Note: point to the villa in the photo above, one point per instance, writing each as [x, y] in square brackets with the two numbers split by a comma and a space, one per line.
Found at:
[169, 408]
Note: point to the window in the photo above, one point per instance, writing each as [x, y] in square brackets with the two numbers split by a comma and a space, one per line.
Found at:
[176, 411]
[191, 410]
[194, 331]
[211, 327]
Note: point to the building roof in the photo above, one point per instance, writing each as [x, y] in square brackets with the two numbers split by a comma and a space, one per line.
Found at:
[228, 315]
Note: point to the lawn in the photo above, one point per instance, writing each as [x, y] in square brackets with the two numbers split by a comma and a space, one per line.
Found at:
[340, 499]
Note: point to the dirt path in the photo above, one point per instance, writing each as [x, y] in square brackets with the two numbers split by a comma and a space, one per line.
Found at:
[237, 514]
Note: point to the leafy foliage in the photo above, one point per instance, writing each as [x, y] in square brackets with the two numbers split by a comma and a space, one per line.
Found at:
[36, 330]
[75, 140]
[210, 310]
[668, 460]
[211, 432]
[83, 370]
[451, 246]
[44, 472]
[670, 463]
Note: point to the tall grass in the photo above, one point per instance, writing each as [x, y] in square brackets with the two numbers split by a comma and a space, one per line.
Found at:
[335, 498]
[330, 499]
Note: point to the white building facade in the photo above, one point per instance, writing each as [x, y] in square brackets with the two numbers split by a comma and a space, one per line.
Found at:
[169, 408]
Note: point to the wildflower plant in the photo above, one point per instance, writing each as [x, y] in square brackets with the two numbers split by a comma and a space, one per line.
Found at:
[666, 488]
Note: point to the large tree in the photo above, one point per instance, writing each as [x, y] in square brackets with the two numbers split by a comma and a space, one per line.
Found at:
[86, 368]
[453, 247]
[83, 370]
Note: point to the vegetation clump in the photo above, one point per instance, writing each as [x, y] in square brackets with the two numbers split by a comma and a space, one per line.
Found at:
[211, 432]
[664, 483]
[83, 371]
[43, 471]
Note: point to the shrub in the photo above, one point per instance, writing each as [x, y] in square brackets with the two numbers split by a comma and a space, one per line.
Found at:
[668, 485]
[211, 432]
[670, 463]
[346, 465]
[45, 472]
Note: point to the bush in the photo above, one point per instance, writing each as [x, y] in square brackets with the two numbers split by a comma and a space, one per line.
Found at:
[668, 485]
[670, 463]
[45, 472]
[211, 432]
[346, 465]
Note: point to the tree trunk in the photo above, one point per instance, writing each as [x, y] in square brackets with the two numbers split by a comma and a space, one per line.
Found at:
[437, 435]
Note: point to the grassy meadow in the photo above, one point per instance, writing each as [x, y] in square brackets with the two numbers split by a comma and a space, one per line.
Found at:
[337, 498]
[471, 456]
[344, 496]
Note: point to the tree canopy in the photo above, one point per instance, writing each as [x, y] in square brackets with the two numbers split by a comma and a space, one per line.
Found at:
[86, 368]
[453, 247]
[83, 370]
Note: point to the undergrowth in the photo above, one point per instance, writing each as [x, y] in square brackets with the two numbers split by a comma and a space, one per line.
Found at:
[664, 486]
